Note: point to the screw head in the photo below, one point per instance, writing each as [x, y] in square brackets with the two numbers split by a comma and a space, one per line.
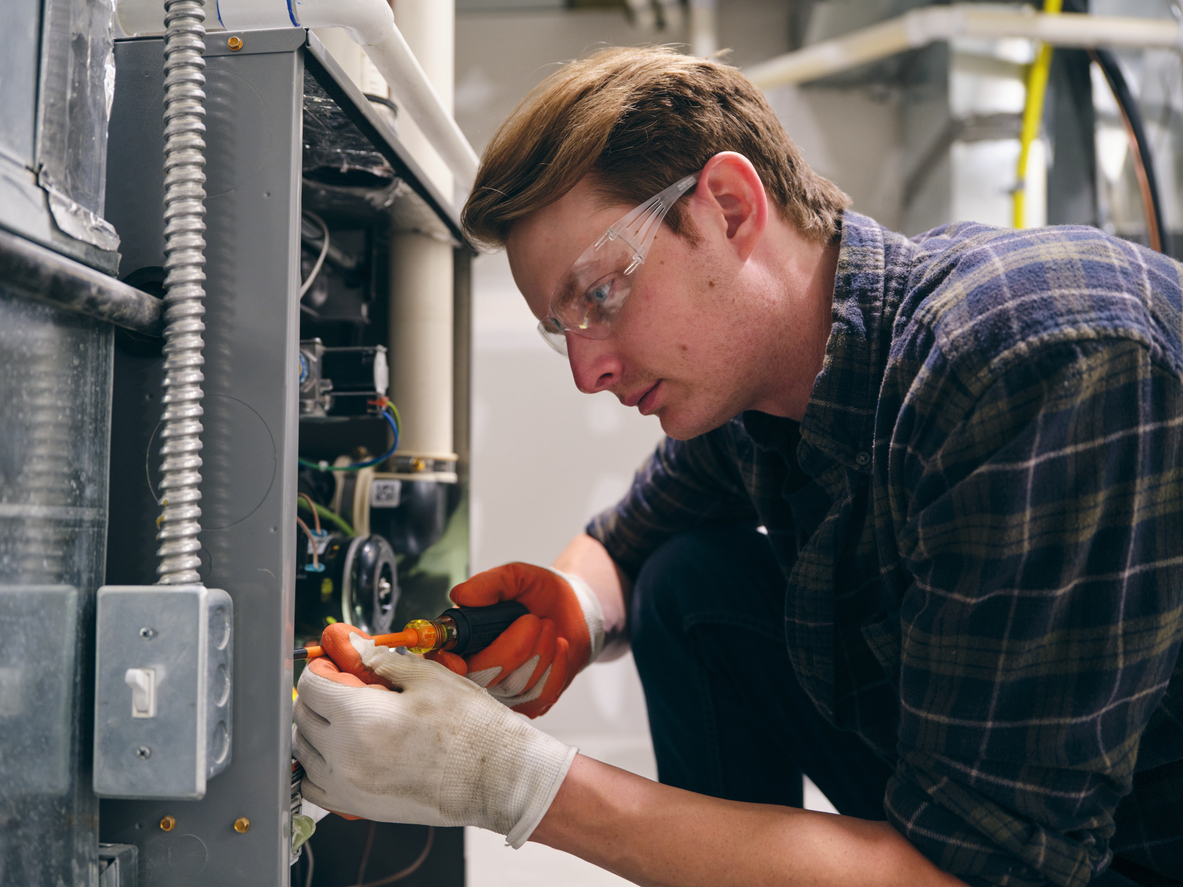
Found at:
[242, 825]
[168, 824]
[143, 752]
[235, 44]
[147, 633]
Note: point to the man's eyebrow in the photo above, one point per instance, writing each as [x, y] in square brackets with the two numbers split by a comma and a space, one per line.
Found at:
[566, 290]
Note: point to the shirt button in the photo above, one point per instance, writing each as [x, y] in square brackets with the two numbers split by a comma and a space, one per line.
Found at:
[862, 458]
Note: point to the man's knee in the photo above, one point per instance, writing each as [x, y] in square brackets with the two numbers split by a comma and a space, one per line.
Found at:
[700, 576]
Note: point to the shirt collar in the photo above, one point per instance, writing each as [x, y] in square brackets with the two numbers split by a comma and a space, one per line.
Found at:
[873, 267]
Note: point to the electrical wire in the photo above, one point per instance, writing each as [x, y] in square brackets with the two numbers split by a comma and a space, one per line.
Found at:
[315, 513]
[381, 100]
[399, 875]
[1032, 115]
[320, 260]
[391, 415]
[1131, 119]
[1135, 130]
[332, 517]
[311, 544]
[311, 864]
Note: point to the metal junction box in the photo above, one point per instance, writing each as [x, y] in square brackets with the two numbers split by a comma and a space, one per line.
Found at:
[162, 690]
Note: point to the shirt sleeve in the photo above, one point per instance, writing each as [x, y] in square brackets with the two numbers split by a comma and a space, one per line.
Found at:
[1042, 532]
[683, 484]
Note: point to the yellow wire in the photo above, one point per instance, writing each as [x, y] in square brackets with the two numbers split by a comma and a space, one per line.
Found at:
[1032, 115]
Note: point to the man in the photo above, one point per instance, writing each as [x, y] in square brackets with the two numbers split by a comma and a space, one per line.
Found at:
[916, 530]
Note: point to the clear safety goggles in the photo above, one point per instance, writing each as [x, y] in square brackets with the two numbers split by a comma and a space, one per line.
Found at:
[593, 290]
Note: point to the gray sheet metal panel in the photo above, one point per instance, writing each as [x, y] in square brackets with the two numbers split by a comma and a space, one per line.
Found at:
[54, 76]
[53, 494]
[253, 166]
[18, 81]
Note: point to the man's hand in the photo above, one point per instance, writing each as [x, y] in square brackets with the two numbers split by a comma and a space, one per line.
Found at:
[436, 751]
[536, 658]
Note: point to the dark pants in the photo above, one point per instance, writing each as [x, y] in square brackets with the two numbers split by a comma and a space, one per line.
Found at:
[728, 717]
[727, 714]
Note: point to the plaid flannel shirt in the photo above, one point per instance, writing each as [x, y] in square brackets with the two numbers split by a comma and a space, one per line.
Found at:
[980, 519]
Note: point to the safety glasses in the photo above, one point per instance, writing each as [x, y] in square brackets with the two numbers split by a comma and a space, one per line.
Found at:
[593, 290]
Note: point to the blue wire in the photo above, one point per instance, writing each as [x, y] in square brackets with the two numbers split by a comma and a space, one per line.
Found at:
[323, 466]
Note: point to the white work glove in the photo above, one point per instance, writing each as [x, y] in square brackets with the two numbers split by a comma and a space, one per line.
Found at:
[534, 660]
[438, 751]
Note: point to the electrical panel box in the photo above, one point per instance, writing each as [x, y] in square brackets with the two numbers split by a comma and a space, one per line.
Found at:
[306, 185]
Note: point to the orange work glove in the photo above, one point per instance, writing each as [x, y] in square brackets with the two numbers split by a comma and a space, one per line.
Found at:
[537, 657]
[335, 642]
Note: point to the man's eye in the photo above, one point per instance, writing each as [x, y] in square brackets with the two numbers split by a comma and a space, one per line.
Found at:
[600, 295]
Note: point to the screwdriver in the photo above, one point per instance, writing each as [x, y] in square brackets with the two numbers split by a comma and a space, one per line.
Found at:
[458, 630]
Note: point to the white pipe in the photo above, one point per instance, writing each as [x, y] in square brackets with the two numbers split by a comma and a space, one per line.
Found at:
[421, 334]
[421, 322]
[430, 31]
[371, 24]
[921, 27]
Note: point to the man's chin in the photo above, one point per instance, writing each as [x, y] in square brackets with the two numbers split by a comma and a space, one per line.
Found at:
[683, 427]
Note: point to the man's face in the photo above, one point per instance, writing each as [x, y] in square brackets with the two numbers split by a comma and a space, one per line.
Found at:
[677, 349]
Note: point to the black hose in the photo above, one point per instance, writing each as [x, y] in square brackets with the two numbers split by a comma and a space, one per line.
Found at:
[1121, 91]
[1109, 66]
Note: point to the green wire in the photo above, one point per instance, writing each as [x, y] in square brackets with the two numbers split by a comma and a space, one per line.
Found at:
[331, 516]
[393, 419]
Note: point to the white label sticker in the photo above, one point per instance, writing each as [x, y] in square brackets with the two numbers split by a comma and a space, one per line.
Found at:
[385, 493]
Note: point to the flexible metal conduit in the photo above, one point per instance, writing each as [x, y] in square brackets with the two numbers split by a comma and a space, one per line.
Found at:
[184, 251]
[936, 23]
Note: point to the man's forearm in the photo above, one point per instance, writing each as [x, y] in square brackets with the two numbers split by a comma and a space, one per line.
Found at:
[655, 835]
[589, 560]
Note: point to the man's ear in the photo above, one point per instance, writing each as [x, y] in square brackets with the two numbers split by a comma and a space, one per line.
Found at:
[738, 199]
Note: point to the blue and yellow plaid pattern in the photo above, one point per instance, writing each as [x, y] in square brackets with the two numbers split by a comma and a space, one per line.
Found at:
[980, 519]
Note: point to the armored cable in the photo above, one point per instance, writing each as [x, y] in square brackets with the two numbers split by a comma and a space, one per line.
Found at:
[184, 250]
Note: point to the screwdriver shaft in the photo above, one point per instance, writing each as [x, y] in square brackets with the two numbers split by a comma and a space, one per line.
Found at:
[406, 638]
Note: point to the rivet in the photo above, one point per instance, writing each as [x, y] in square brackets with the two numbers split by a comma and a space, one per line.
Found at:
[147, 633]
[168, 824]
[143, 752]
[242, 825]
[235, 44]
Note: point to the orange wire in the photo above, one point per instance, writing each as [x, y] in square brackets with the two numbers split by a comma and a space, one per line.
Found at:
[1153, 235]
[315, 513]
[312, 544]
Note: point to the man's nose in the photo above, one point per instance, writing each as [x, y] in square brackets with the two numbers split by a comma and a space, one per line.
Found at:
[594, 364]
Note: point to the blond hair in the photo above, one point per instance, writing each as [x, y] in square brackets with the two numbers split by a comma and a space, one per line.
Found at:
[638, 119]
